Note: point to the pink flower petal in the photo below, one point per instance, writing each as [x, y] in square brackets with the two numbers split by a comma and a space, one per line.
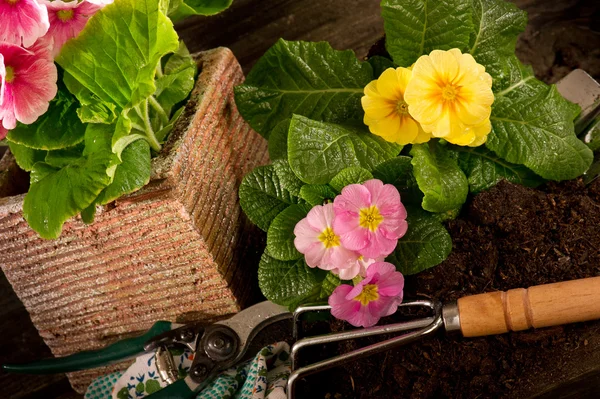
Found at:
[363, 317]
[314, 255]
[67, 20]
[348, 273]
[28, 84]
[356, 239]
[353, 198]
[345, 222]
[391, 285]
[380, 268]
[338, 258]
[382, 307]
[3, 131]
[306, 235]
[338, 296]
[317, 218]
[378, 245]
[375, 187]
[23, 22]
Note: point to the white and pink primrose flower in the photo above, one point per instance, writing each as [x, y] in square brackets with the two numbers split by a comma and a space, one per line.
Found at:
[370, 218]
[377, 296]
[67, 19]
[23, 22]
[27, 84]
[318, 241]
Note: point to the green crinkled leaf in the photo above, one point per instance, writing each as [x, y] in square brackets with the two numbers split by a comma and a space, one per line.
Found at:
[309, 79]
[177, 79]
[317, 194]
[318, 151]
[532, 125]
[379, 65]
[427, 243]
[64, 193]
[41, 170]
[287, 178]
[280, 237]
[262, 196]
[441, 180]
[61, 158]
[288, 283]
[132, 174]
[187, 8]
[329, 284]
[351, 175]
[58, 128]
[92, 109]
[116, 54]
[89, 214]
[497, 25]
[399, 172]
[26, 157]
[278, 141]
[484, 169]
[416, 27]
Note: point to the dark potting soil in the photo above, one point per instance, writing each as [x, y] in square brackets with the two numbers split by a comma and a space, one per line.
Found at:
[507, 237]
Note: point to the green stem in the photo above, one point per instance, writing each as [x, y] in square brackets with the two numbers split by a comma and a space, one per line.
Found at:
[144, 115]
[159, 72]
[160, 110]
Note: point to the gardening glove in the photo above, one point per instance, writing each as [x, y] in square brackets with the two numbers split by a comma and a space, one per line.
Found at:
[263, 377]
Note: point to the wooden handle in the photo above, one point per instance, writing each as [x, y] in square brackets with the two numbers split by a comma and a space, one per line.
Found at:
[535, 307]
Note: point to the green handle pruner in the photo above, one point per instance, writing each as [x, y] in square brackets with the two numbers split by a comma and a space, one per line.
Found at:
[122, 350]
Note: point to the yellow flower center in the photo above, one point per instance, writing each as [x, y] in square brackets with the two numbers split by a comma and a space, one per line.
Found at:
[449, 93]
[368, 294]
[402, 107]
[370, 218]
[65, 15]
[13, 1]
[10, 74]
[329, 238]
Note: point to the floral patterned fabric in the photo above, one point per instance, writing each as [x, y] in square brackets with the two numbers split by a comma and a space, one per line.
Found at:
[264, 377]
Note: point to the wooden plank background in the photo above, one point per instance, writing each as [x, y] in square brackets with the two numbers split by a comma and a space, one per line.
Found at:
[249, 28]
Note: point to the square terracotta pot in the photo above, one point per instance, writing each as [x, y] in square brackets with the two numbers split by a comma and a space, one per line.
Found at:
[178, 249]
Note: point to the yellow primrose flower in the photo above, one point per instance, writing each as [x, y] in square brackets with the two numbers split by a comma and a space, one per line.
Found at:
[386, 112]
[450, 95]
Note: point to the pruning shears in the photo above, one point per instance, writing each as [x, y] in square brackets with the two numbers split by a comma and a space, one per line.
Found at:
[224, 344]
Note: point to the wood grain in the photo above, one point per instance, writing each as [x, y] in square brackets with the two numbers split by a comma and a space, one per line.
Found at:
[171, 251]
[536, 307]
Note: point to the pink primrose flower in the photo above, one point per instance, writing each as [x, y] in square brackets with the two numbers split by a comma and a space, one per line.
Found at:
[23, 21]
[370, 218]
[317, 240]
[377, 296]
[27, 84]
[67, 19]
[3, 132]
[358, 268]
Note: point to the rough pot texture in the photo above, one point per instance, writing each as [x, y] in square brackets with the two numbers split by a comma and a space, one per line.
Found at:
[179, 249]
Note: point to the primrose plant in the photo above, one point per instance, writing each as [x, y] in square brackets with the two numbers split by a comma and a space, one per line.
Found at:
[370, 158]
[90, 91]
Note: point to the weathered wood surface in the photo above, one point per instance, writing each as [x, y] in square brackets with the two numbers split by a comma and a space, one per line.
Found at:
[167, 252]
[561, 35]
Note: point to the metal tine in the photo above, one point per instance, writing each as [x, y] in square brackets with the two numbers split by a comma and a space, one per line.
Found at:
[424, 326]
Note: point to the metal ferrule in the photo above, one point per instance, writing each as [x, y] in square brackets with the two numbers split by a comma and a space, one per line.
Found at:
[451, 317]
